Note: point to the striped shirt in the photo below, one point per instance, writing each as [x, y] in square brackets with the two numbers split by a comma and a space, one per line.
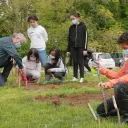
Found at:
[8, 50]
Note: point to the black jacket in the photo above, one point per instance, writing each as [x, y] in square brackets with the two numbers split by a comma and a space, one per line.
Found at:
[77, 37]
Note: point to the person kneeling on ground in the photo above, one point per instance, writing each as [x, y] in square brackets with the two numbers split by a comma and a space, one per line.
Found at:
[9, 54]
[119, 81]
[32, 66]
[54, 65]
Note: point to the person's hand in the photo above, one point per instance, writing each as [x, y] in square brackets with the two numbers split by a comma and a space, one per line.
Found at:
[95, 65]
[13, 61]
[84, 52]
[68, 53]
[104, 85]
[22, 71]
[49, 70]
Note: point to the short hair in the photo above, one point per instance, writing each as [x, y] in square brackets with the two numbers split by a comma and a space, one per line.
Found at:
[76, 14]
[34, 52]
[123, 38]
[19, 35]
[32, 17]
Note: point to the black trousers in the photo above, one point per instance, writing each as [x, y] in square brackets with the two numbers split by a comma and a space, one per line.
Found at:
[7, 68]
[58, 75]
[121, 96]
[78, 61]
[86, 60]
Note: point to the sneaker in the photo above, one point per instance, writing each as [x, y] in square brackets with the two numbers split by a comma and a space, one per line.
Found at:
[74, 79]
[81, 80]
[51, 79]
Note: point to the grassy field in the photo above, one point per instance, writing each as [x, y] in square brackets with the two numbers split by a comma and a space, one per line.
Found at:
[19, 109]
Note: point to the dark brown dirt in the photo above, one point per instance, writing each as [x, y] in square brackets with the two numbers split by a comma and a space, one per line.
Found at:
[74, 99]
[53, 86]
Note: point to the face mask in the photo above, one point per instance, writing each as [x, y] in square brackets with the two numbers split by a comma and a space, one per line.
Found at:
[33, 26]
[18, 45]
[52, 57]
[33, 58]
[74, 21]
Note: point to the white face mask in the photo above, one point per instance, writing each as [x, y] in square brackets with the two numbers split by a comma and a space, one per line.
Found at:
[18, 45]
[74, 21]
[52, 57]
[33, 58]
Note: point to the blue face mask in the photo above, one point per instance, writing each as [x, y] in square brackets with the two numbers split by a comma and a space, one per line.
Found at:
[34, 26]
[74, 22]
[18, 45]
[52, 57]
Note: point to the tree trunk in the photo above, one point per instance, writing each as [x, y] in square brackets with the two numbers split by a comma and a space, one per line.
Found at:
[25, 17]
[123, 1]
[16, 13]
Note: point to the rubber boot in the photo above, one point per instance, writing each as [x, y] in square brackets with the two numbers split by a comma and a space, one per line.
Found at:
[62, 79]
[47, 79]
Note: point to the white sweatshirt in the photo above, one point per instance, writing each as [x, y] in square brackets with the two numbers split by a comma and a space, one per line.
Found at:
[38, 37]
[60, 65]
[31, 65]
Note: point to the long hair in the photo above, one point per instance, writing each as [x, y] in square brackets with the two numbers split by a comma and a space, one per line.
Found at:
[33, 52]
[57, 51]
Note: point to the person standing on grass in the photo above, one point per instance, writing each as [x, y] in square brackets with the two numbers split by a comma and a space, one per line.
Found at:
[89, 54]
[119, 81]
[77, 45]
[38, 37]
[8, 54]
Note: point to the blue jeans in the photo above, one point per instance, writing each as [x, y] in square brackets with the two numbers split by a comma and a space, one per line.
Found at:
[43, 57]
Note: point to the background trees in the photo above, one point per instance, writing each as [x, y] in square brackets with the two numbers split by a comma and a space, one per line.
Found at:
[105, 20]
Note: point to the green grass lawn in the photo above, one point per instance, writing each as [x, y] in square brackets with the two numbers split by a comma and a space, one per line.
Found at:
[19, 109]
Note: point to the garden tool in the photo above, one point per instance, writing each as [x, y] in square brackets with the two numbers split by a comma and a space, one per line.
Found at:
[102, 89]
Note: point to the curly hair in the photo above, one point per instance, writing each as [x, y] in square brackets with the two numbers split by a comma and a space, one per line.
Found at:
[123, 38]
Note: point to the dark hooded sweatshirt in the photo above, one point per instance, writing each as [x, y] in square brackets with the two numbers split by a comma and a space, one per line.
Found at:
[77, 37]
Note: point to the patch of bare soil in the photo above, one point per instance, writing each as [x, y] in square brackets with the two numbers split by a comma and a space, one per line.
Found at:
[55, 86]
[74, 99]
[37, 87]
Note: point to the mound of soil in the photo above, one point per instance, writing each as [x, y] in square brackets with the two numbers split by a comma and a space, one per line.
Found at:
[75, 99]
